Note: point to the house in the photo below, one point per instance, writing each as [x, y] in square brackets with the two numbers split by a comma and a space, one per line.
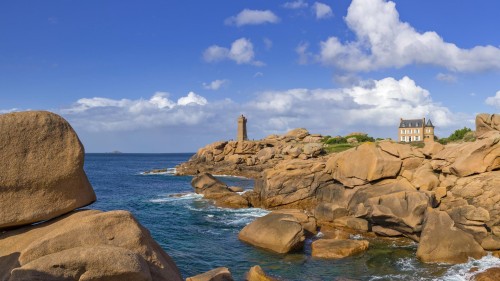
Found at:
[411, 130]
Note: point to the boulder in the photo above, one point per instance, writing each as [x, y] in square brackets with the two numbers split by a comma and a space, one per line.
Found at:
[42, 173]
[313, 149]
[424, 178]
[232, 201]
[329, 211]
[109, 244]
[256, 273]
[307, 221]
[352, 223]
[442, 242]
[469, 158]
[345, 166]
[280, 233]
[205, 183]
[491, 243]
[217, 274]
[386, 232]
[490, 274]
[299, 133]
[337, 249]
[236, 189]
[486, 123]
[432, 148]
[86, 263]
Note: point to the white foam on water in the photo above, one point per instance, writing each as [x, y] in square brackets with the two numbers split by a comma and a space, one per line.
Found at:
[169, 198]
[406, 264]
[230, 176]
[320, 234]
[169, 171]
[356, 236]
[461, 272]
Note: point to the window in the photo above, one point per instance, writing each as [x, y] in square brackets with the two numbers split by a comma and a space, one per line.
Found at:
[402, 138]
[417, 138]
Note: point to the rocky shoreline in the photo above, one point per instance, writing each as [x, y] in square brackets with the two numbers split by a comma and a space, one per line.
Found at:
[445, 197]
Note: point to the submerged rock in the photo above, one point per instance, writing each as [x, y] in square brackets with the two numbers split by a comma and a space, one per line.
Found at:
[338, 249]
[42, 173]
[256, 273]
[217, 274]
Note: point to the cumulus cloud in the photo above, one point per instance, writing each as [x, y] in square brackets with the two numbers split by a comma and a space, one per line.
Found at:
[215, 85]
[494, 101]
[373, 106]
[299, 4]
[322, 10]
[302, 51]
[383, 41]
[450, 78]
[241, 52]
[252, 17]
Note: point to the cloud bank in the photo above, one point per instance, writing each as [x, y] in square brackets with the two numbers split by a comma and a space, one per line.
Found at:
[494, 101]
[383, 41]
[372, 105]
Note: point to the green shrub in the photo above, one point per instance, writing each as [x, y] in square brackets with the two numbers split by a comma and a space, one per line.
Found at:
[336, 140]
[459, 134]
[338, 147]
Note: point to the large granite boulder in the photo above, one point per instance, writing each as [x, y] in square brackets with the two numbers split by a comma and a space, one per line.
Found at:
[278, 232]
[486, 123]
[337, 249]
[85, 245]
[442, 242]
[364, 164]
[205, 183]
[469, 158]
[41, 168]
[490, 274]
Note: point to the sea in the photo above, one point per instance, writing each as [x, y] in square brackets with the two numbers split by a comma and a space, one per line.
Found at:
[200, 236]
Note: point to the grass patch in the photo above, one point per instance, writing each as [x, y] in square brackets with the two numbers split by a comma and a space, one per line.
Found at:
[334, 148]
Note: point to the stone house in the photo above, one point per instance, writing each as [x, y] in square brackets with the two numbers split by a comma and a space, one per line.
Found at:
[415, 130]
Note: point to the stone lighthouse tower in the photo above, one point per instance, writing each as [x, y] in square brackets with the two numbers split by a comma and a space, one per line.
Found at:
[242, 129]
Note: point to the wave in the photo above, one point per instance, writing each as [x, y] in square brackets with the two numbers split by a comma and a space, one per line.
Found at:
[177, 197]
[462, 272]
[167, 171]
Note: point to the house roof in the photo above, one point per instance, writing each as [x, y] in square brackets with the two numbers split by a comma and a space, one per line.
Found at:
[411, 123]
[429, 123]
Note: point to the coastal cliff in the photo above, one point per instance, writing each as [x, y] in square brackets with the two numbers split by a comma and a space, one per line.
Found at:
[444, 196]
[42, 235]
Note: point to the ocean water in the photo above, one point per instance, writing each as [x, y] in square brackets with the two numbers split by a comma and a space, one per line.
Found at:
[200, 236]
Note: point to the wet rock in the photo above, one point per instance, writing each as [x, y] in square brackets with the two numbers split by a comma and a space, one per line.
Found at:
[490, 274]
[337, 249]
[217, 274]
[256, 273]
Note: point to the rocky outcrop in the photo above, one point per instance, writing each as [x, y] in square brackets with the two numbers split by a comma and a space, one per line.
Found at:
[213, 188]
[337, 249]
[441, 241]
[278, 232]
[217, 274]
[486, 123]
[250, 158]
[42, 173]
[85, 244]
[42, 180]
[377, 164]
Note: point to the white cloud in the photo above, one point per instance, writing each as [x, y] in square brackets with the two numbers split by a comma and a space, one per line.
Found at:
[299, 4]
[322, 10]
[192, 99]
[450, 78]
[258, 74]
[494, 101]
[252, 17]
[373, 106]
[215, 85]
[383, 41]
[241, 52]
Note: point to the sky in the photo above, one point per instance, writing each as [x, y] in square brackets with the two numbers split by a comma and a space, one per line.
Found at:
[172, 76]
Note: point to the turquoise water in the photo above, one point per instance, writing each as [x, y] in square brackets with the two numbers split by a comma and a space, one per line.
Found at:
[200, 236]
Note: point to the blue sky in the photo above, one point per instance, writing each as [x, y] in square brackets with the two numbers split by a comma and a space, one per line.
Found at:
[172, 76]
